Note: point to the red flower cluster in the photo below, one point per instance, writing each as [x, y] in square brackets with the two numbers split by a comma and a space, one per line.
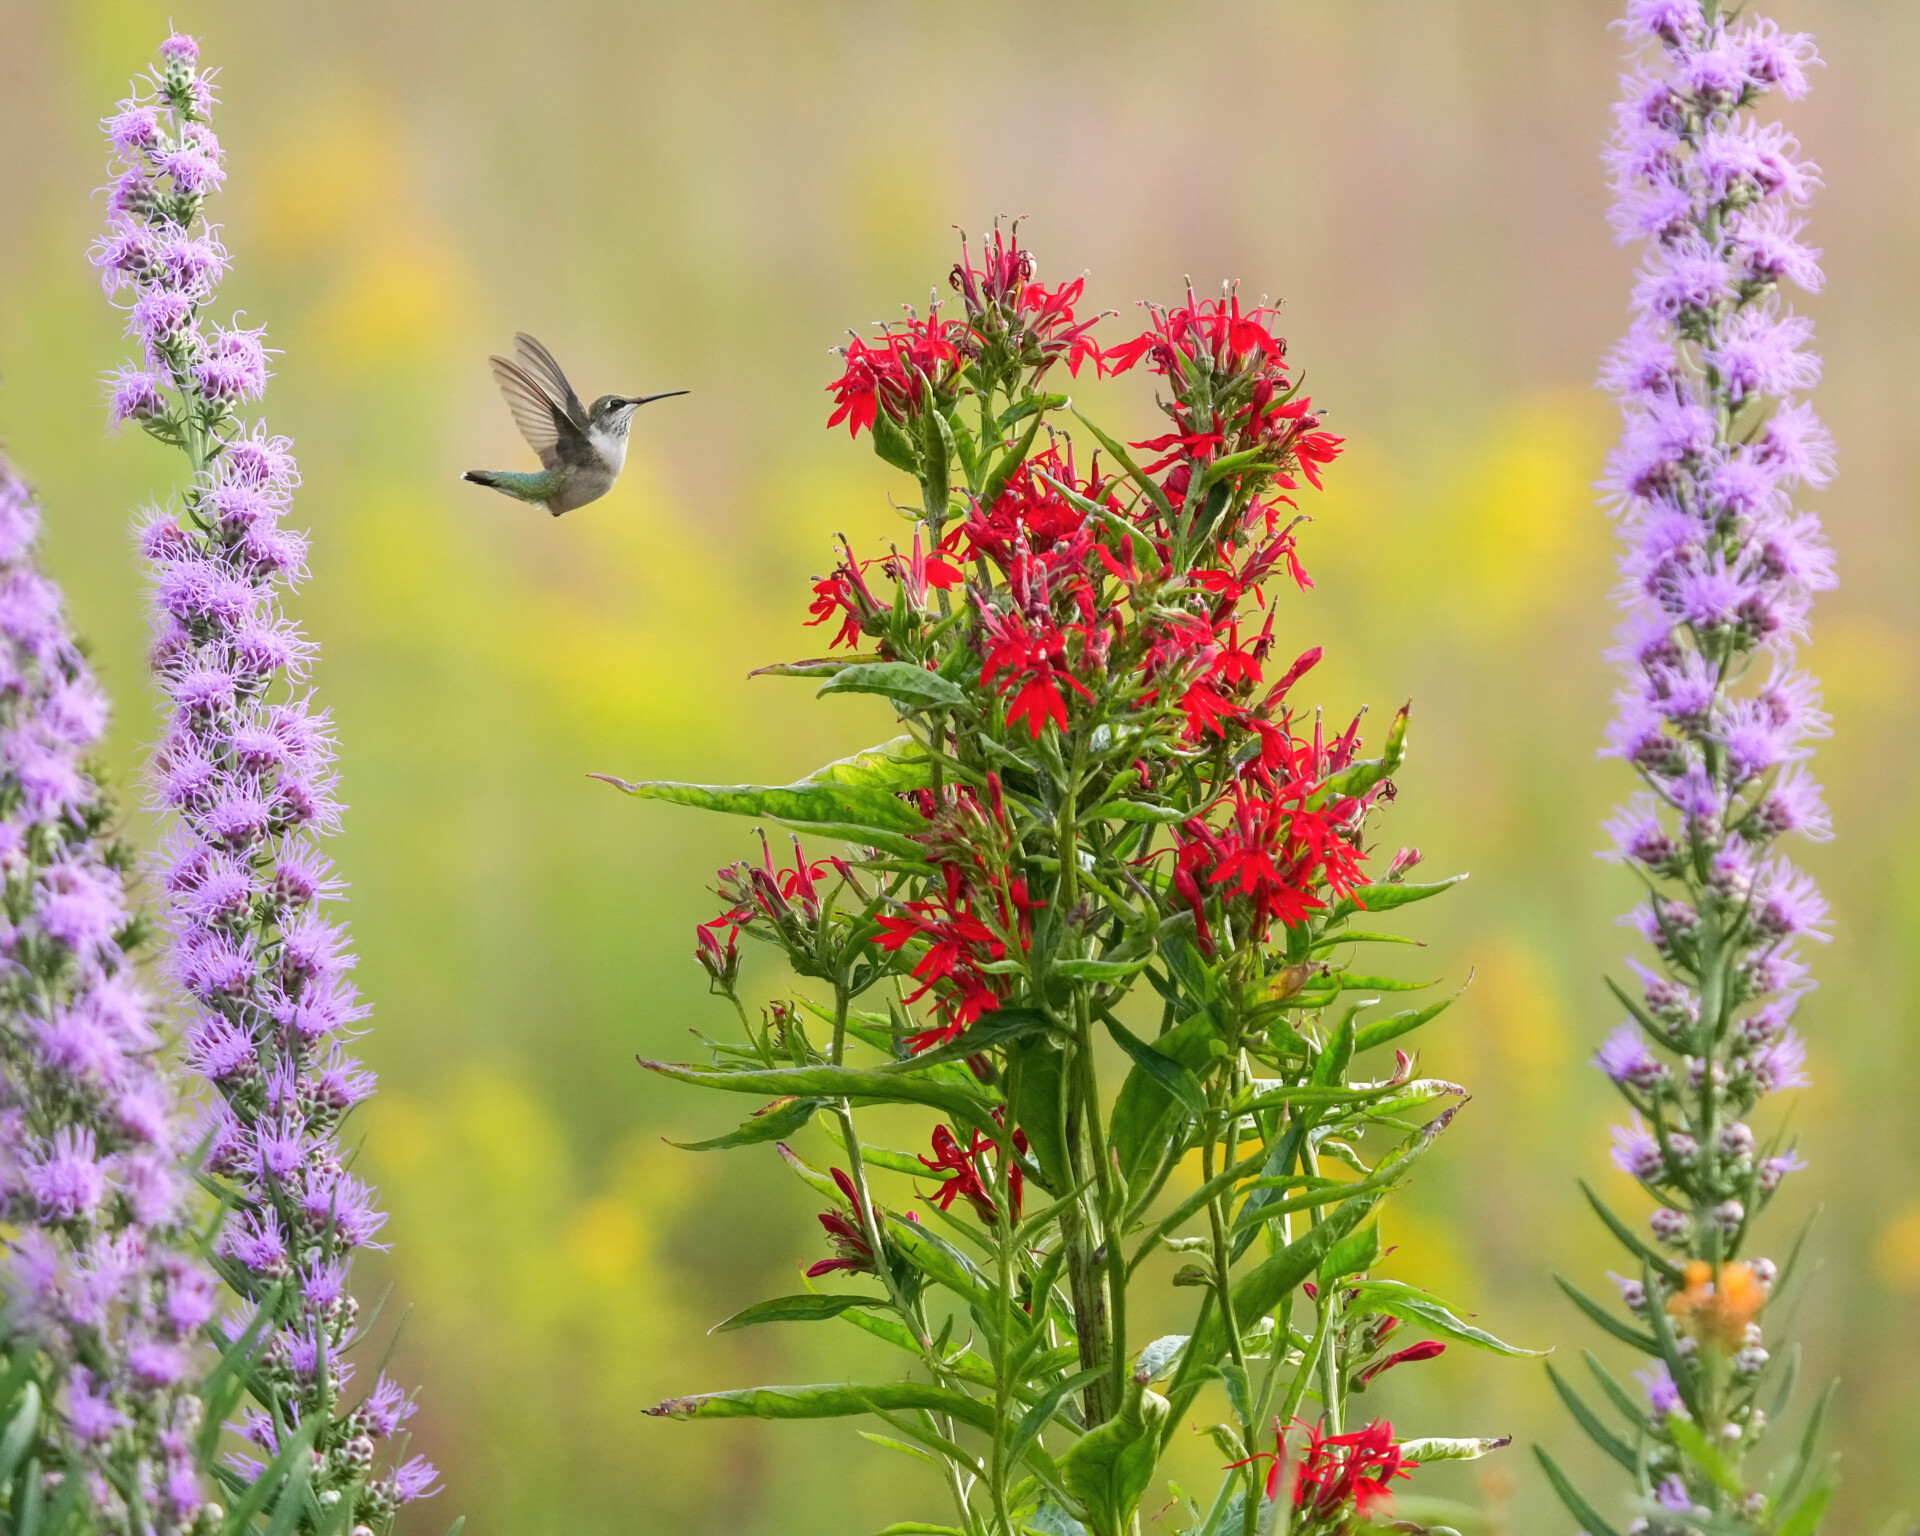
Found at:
[964, 1165]
[1033, 323]
[1337, 1475]
[1276, 846]
[958, 944]
[893, 372]
[1339, 1472]
[787, 898]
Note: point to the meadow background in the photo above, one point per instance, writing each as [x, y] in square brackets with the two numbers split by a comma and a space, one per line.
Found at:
[704, 197]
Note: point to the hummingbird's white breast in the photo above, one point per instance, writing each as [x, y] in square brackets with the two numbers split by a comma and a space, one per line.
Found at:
[612, 448]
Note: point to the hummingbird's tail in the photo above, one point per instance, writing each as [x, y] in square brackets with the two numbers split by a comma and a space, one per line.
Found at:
[484, 477]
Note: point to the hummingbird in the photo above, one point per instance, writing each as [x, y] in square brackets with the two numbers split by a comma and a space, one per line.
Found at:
[582, 448]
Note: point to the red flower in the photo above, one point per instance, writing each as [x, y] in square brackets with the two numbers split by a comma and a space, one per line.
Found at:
[854, 1253]
[1426, 1349]
[1339, 1471]
[846, 592]
[888, 373]
[964, 1164]
[957, 943]
[1337, 1474]
[1004, 303]
[1035, 659]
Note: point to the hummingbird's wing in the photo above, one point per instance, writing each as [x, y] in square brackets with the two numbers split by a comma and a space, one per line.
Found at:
[539, 365]
[542, 420]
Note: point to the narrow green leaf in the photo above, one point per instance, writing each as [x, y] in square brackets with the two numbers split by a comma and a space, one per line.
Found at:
[1388, 895]
[894, 765]
[1350, 1256]
[1164, 1070]
[1617, 1394]
[1704, 1454]
[893, 445]
[811, 1307]
[20, 1432]
[1036, 1418]
[1629, 1239]
[776, 1122]
[840, 1083]
[1795, 1471]
[1588, 1420]
[999, 1027]
[1010, 461]
[940, 1261]
[1396, 1298]
[1606, 1319]
[1352, 983]
[1424, 1451]
[901, 681]
[1100, 970]
[832, 1400]
[1139, 477]
[859, 815]
[240, 1517]
[1577, 1506]
[1806, 1516]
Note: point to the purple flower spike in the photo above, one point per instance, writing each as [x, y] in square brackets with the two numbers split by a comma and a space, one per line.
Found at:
[244, 765]
[96, 1267]
[1720, 569]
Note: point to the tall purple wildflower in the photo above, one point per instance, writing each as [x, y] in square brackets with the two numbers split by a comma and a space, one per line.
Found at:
[244, 766]
[1720, 571]
[100, 1290]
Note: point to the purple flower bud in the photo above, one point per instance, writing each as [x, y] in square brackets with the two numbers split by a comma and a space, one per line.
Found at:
[1672, 1495]
[1729, 1216]
[1670, 1227]
[1663, 1397]
[1637, 1153]
[1774, 1169]
[180, 50]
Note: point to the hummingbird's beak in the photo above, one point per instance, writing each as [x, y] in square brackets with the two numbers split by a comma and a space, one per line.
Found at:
[649, 399]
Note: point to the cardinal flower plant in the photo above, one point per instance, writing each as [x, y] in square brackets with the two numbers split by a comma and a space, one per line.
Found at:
[1101, 914]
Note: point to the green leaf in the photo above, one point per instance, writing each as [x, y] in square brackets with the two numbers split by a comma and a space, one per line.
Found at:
[1045, 1407]
[1805, 1519]
[240, 1517]
[1588, 1420]
[833, 1400]
[1605, 1319]
[1051, 1520]
[19, 1433]
[893, 445]
[1180, 1083]
[840, 1083]
[1629, 1239]
[901, 681]
[1388, 895]
[1424, 1451]
[1396, 1298]
[894, 765]
[1135, 810]
[1109, 1467]
[939, 1260]
[859, 815]
[811, 1307]
[1100, 970]
[1138, 476]
[1009, 462]
[1704, 1454]
[936, 451]
[776, 1122]
[999, 1027]
[1351, 983]
[1350, 1256]
[1577, 1506]
[1034, 1069]
[1146, 1117]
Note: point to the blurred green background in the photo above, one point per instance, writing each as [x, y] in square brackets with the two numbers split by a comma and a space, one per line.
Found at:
[705, 196]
